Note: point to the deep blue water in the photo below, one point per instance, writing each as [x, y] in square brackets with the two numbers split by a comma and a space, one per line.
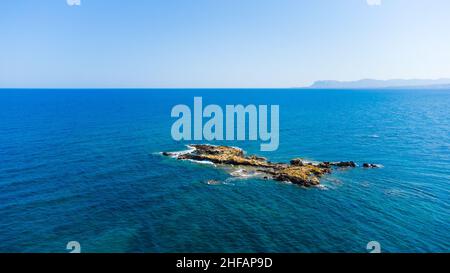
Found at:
[83, 165]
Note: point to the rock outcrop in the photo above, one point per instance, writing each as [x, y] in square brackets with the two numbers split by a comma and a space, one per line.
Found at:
[297, 172]
[344, 164]
[297, 162]
[370, 165]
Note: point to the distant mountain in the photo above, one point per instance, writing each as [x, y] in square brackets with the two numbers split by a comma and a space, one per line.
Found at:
[369, 83]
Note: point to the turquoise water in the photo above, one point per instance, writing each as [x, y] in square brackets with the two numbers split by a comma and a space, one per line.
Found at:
[83, 165]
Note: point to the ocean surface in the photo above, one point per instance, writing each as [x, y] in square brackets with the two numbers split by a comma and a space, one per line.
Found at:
[84, 165]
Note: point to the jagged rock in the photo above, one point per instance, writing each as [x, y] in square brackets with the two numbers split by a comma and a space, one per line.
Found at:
[297, 172]
[369, 165]
[314, 181]
[258, 158]
[297, 162]
[222, 155]
[325, 165]
[344, 164]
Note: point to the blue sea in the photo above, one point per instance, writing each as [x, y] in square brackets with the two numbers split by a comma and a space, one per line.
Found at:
[84, 165]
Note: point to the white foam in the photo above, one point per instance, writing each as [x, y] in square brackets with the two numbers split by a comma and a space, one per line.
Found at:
[243, 173]
[202, 162]
[322, 187]
[306, 161]
[183, 152]
[229, 180]
[213, 182]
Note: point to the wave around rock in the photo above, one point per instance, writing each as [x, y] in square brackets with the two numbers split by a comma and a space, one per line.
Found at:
[298, 171]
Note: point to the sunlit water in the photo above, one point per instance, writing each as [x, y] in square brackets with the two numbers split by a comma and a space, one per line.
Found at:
[83, 165]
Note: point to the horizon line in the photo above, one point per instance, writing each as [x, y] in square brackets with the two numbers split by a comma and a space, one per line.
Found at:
[431, 87]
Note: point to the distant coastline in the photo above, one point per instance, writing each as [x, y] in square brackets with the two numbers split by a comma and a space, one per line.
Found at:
[443, 83]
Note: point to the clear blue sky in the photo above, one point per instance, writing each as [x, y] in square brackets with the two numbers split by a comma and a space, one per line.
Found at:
[220, 43]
